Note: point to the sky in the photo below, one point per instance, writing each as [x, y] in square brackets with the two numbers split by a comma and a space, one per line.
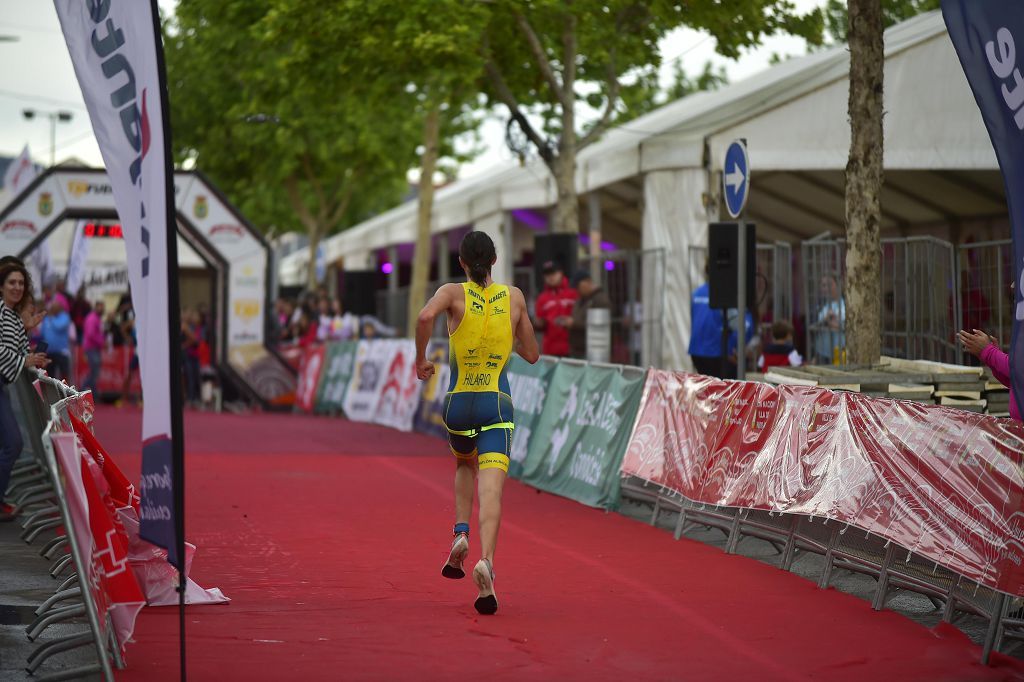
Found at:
[36, 74]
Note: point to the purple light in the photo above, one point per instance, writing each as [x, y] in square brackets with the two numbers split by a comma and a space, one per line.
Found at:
[386, 268]
[609, 265]
[531, 219]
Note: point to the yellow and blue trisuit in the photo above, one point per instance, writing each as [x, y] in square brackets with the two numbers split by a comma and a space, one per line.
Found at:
[478, 408]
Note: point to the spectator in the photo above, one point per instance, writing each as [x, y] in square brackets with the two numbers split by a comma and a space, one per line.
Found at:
[706, 336]
[985, 348]
[93, 341]
[590, 296]
[554, 303]
[780, 352]
[343, 326]
[56, 335]
[14, 355]
[829, 330]
[191, 337]
[325, 320]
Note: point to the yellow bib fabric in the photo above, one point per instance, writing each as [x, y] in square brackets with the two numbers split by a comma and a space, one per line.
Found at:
[481, 346]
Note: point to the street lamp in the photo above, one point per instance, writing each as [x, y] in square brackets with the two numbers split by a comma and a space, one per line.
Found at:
[54, 116]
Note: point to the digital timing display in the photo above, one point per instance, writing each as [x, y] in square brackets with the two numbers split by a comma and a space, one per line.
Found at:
[103, 230]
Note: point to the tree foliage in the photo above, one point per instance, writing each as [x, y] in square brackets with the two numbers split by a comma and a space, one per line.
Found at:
[893, 12]
[545, 56]
[292, 142]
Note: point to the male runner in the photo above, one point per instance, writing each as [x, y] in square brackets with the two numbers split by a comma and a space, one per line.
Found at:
[484, 319]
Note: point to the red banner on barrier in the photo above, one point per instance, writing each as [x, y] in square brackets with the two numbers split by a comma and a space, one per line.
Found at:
[101, 541]
[309, 378]
[944, 483]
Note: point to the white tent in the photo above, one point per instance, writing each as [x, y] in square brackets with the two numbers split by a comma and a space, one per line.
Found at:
[658, 176]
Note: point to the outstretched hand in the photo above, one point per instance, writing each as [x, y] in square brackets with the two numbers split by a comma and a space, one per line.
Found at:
[33, 320]
[424, 369]
[974, 341]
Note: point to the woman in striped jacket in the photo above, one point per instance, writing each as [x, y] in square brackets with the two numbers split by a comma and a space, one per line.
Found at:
[14, 356]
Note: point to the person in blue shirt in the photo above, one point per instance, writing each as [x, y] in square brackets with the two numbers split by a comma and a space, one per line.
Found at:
[55, 331]
[706, 336]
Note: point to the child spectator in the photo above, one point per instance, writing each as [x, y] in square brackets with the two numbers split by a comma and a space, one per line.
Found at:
[780, 352]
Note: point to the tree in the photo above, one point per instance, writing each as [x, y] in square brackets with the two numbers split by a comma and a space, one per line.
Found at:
[292, 142]
[646, 95]
[544, 56]
[424, 49]
[864, 182]
[893, 12]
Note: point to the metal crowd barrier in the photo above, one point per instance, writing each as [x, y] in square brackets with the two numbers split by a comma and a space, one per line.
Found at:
[847, 548]
[37, 493]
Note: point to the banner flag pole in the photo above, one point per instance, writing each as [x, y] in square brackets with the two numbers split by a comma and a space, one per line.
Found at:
[116, 49]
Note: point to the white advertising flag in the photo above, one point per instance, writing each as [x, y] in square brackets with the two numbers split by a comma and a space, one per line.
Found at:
[117, 54]
[79, 257]
[20, 173]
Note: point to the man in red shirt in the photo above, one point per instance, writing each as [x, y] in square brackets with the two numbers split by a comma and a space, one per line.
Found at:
[554, 310]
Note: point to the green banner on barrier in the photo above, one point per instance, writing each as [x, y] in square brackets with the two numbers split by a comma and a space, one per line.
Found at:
[335, 376]
[578, 441]
[529, 385]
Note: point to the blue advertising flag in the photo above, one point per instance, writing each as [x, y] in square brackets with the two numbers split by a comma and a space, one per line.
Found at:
[987, 35]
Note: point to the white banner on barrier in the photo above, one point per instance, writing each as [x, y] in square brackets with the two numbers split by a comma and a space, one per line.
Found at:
[373, 358]
[400, 392]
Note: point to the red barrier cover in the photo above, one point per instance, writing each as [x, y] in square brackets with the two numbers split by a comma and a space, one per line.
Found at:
[944, 483]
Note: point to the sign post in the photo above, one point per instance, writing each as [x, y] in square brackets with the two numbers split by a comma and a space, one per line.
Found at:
[735, 186]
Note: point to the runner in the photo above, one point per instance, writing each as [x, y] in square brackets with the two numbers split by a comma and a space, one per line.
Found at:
[485, 319]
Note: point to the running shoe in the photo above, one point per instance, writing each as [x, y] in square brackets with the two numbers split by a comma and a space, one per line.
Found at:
[460, 548]
[487, 601]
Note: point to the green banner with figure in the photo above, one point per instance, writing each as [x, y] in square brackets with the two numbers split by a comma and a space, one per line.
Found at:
[529, 384]
[335, 376]
[578, 441]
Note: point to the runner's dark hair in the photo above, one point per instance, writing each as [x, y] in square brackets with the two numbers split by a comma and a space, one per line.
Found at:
[477, 252]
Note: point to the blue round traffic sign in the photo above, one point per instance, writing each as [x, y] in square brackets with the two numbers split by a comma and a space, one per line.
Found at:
[736, 178]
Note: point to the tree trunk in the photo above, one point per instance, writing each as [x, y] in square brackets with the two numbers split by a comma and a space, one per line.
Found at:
[864, 183]
[567, 210]
[421, 256]
[314, 244]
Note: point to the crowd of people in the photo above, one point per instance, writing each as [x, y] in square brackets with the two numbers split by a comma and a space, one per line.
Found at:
[316, 317]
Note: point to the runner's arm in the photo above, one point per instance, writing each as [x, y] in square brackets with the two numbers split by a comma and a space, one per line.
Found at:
[526, 344]
[437, 305]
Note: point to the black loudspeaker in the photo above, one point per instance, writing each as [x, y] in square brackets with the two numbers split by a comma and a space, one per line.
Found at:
[359, 292]
[560, 248]
[723, 264]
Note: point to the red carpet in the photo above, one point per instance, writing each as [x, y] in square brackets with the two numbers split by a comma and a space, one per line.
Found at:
[329, 537]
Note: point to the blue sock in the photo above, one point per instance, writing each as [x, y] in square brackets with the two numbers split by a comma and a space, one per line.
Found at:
[461, 528]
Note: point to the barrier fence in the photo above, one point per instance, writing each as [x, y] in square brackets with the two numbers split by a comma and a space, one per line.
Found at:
[70, 486]
[920, 497]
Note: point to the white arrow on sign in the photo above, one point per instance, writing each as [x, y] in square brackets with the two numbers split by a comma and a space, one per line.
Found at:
[735, 178]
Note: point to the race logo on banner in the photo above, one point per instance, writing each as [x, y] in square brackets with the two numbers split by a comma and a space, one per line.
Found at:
[399, 395]
[430, 413]
[116, 52]
[989, 39]
[582, 433]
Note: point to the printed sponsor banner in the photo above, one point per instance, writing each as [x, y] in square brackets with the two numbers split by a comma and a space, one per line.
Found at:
[309, 378]
[373, 360]
[400, 394]
[582, 432]
[529, 384]
[989, 38]
[101, 542]
[430, 413]
[266, 374]
[116, 51]
[339, 362]
[944, 483]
